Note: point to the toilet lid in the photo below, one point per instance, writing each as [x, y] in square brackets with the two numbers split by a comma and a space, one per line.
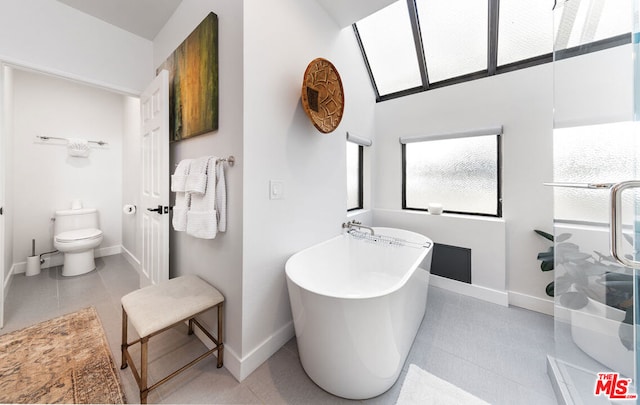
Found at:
[79, 234]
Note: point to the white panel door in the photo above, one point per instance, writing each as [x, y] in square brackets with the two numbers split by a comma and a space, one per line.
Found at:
[154, 105]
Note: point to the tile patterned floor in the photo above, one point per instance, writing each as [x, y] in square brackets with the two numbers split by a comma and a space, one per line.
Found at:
[495, 353]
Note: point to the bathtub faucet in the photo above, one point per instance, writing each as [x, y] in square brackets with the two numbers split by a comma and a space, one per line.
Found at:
[356, 224]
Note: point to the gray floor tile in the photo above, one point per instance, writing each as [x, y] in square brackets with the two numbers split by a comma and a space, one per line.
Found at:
[282, 380]
[495, 353]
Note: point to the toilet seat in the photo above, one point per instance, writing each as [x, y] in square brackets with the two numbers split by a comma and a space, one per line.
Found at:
[79, 235]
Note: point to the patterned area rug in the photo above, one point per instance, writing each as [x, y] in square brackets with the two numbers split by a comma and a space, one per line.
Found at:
[63, 360]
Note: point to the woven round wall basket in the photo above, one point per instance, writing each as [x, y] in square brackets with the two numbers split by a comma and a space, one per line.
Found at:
[322, 95]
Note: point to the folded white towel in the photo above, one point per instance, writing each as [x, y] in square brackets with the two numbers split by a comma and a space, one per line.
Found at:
[179, 177]
[196, 181]
[180, 211]
[202, 219]
[221, 196]
[78, 147]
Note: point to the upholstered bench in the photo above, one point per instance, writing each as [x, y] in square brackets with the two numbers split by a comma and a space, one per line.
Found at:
[154, 309]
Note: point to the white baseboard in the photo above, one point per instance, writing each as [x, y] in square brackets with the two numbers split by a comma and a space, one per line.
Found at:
[131, 259]
[266, 349]
[241, 368]
[532, 303]
[108, 251]
[56, 259]
[8, 279]
[471, 290]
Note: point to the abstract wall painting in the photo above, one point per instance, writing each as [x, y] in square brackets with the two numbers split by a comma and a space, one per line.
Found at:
[193, 82]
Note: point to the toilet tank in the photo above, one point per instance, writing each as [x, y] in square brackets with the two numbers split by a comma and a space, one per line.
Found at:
[69, 220]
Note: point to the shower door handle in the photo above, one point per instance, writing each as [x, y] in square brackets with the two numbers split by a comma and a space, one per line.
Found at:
[615, 221]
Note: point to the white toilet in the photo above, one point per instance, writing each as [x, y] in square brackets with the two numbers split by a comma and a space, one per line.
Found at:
[76, 234]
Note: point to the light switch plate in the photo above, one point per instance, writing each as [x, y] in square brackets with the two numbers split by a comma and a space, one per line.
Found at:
[276, 190]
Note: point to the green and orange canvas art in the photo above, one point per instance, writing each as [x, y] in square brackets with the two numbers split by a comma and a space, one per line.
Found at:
[193, 82]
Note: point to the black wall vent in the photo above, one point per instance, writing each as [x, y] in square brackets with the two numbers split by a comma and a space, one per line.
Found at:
[451, 262]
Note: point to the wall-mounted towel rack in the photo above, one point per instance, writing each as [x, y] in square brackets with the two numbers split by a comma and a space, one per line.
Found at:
[46, 138]
[231, 160]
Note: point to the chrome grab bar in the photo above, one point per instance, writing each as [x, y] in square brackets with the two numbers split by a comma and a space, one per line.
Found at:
[615, 222]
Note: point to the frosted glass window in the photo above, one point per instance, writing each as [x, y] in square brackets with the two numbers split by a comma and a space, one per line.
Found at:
[605, 153]
[525, 30]
[354, 176]
[387, 40]
[581, 22]
[459, 173]
[454, 35]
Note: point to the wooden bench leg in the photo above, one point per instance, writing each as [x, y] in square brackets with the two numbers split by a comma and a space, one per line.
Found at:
[144, 391]
[124, 345]
[220, 335]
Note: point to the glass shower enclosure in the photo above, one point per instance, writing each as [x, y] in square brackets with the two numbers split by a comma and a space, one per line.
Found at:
[596, 77]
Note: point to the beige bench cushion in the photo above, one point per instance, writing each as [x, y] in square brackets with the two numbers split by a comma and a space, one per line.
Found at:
[156, 307]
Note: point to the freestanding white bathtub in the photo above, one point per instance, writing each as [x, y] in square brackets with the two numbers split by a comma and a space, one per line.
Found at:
[357, 305]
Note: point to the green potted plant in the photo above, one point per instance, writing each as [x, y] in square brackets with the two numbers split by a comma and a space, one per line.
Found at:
[547, 259]
[598, 277]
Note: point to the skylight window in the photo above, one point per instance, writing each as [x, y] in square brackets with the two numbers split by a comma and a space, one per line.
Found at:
[388, 40]
[416, 45]
[525, 30]
[581, 22]
[454, 34]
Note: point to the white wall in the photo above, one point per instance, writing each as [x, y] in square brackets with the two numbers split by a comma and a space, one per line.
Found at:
[51, 36]
[582, 96]
[131, 169]
[264, 48]
[45, 178]
[484, 236]
[218, 261]
[522, 102]
[263, 125]
[280, 143]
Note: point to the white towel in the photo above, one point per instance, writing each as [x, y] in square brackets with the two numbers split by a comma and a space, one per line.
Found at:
[180, 211]
[78, 147]
[202, 218]
[196, 181]
[179, 177]
[221, 196]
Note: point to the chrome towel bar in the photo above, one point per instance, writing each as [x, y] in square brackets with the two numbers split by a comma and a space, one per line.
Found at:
[46, 138]
[231, 160]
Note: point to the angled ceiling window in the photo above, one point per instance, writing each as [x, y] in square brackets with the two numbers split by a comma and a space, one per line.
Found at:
[454, 35]
[417, 45]
[525, 30]
[387, 39]
[582, 22]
